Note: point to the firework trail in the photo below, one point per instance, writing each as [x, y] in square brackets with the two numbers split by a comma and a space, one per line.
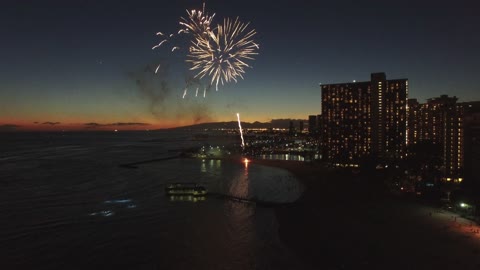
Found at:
[217, 52]
[241, 130]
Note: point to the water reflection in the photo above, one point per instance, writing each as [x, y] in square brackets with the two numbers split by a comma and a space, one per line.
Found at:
[243, 180]
[187, 198]
[103, 213]
[240, 219]
[214, 165]
[203, 167]
[118, 201]
[114, 205]
[239, 186]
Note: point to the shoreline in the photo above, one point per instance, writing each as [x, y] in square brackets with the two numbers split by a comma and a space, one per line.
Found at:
[350, 224]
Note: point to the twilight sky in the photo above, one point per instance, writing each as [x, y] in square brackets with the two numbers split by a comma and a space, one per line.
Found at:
[75, 64]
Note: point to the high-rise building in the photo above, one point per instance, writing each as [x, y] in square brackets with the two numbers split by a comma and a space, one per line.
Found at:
[319, 124]
[312, 124]
[363, 119]
[440, 121]
[472, 143]
[291, 128]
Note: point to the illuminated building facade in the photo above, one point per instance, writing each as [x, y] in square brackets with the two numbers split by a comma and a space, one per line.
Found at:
[393, 125]
[414, 121]
[363, 119]
[440, 120]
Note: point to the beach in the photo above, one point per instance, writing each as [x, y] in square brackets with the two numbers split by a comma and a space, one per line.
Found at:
[344, 221]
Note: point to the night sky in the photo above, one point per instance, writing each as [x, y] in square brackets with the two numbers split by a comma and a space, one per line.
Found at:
[75, 64]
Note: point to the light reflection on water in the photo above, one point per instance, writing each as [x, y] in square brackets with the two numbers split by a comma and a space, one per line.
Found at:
[239, 185]
[187, 198]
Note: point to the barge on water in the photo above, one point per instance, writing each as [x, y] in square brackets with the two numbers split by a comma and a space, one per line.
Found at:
[193, 189]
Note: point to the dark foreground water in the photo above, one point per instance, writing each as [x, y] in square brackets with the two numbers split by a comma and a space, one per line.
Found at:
[66, 204]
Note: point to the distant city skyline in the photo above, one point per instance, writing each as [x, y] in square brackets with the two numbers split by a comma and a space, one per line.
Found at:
[75, 65]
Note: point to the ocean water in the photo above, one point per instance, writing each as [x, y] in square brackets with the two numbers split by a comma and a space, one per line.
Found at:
[67, 204]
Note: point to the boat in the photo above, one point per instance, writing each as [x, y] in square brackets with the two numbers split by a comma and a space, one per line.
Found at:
[193, 189]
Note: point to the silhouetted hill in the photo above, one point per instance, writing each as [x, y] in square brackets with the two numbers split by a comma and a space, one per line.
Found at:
[275, 123]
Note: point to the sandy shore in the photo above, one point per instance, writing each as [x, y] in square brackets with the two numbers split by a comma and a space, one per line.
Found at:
[345, 222]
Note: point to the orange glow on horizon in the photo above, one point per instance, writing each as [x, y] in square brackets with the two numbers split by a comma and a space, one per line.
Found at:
[19, 125]
[68, 123]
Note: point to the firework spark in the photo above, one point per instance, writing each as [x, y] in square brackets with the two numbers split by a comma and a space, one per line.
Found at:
[198, 22]
[241, 130]
[219, 53]
[223, 53]
[159, 44]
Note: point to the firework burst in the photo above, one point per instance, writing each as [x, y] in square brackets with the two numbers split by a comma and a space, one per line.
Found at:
[223, 54]
[217, 53]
